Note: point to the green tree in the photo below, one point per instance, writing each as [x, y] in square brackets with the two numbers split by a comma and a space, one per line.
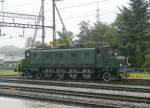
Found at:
[63, 39]
[147, 59]
[84, 32]
[100, 32]
[103, 33]
[133, 29]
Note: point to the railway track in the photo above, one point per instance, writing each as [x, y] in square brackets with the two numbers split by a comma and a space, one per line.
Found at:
[108, 86]
[82, 93]
[143, 82]
[56, 95]
[85, 97]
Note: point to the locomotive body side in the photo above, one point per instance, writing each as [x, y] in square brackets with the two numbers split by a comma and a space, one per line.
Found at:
[60, 58]
[72, 63]
[59, 61]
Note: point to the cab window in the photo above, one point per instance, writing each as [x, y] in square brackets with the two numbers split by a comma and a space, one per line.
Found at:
[27, 54]
[99, 52]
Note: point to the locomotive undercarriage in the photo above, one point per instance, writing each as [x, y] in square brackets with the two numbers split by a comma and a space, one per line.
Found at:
[71, 73]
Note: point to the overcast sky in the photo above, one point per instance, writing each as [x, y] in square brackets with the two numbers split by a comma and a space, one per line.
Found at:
[72, 12]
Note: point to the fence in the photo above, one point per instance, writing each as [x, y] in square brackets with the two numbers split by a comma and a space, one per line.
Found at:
[139, 69]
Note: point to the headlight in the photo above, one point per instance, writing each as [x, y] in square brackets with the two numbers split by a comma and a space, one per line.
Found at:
[121, 65]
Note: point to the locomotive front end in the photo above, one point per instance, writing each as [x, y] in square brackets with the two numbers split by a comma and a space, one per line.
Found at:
[122, 62]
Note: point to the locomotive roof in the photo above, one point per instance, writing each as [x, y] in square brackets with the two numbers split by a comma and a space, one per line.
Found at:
[52, 49]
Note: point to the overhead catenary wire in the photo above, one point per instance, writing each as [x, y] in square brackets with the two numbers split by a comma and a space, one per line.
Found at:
[78, 5]
[71, 6]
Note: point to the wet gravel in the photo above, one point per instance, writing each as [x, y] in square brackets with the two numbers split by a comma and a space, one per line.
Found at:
[7, 102]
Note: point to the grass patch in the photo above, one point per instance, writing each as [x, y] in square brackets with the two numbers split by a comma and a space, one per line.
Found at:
[8, 73]
[139, 75]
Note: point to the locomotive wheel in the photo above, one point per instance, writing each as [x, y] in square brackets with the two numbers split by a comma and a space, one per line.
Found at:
[98, 76]
[107, 76]
[48, 75]
[61, 76]
[87, 76]
[37, 76]
[25, 74]
[73, 76]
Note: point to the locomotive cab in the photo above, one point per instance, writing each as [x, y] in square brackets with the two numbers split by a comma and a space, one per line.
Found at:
[109, 63]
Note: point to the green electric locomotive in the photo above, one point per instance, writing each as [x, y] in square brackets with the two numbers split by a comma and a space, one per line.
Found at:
[72, 63]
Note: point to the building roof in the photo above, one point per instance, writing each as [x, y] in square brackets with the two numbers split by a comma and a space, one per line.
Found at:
[13, 58]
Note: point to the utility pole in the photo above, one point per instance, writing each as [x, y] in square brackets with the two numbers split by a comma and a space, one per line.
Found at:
[2, 1]
[98, 13]
[54, 25]
[43, 23]
[64, 27]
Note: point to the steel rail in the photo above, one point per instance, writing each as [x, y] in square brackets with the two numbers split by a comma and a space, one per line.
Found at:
[138, 82]
[53, 92]
[82, 94]
[118, 87]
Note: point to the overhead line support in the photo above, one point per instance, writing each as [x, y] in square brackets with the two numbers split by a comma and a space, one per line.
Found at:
[54, 25]
[20, 25]
[64, 27]
[36, 30]
[43, 23]
[19, 15]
